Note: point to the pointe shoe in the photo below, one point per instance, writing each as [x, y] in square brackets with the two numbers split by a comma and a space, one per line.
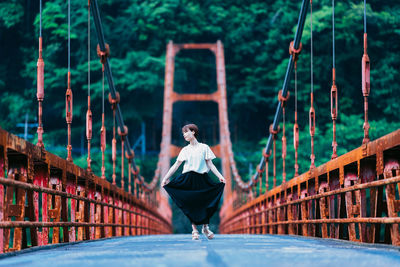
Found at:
[207, 232]
[195, 235]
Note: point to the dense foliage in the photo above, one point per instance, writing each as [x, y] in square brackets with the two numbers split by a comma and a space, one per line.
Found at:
[255, 34]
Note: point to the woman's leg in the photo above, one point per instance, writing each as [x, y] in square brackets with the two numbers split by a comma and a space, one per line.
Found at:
[205, 226]
[205, 230]
[195, 232]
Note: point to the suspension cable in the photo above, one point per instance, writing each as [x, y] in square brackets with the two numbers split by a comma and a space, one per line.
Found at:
[89, 48]
[312, 111]
[296, 48]
[366, 86]
[68, 95]
[296, 125]
[102, 130]
[40, 21]
[69, 35]
[333, 34]
[102, 86]
[311, 49]
[295, 56]
[334, 93]
[295, 89]
[274, 137]
[114, 150]
[283, 101]
[123, 136]
[40, 84]
[365, 16]
[283, 145]
[102, 55]
[89, 112]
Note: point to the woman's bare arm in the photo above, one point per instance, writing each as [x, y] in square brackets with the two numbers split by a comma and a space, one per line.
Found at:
[214, 169]
[171, 172]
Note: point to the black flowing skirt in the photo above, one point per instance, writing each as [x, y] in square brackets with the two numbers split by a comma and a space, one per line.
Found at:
[196, 195]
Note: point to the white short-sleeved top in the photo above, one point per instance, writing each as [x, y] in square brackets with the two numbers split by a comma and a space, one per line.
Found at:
[195, 157]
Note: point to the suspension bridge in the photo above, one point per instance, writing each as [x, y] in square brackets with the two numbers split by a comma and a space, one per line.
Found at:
[51, 208]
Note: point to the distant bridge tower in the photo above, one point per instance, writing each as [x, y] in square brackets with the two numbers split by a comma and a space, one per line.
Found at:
[168, 150]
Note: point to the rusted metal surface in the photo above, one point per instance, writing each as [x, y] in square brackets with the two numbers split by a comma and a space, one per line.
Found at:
[274, 134]
[114, 103]
[283, 101]
[69, 114]
[45, 199]
[366, 87]
[334, 112]
[311, 118]
[354, 197]
[89, 131]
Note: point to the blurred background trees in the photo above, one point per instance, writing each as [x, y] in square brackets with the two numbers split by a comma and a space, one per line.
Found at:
[256, 36]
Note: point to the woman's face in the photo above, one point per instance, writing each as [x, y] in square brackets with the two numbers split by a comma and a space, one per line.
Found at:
[188, 135]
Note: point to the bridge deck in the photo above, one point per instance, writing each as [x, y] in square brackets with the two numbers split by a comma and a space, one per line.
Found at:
[224, 250]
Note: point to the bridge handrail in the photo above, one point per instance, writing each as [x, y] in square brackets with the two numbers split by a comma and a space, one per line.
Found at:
[333, 193]
[75, 201]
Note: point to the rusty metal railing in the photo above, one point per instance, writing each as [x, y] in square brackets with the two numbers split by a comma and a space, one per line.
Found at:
[46, 200]
[353, 197]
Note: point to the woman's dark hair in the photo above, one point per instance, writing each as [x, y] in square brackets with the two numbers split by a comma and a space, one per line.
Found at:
[192, 127]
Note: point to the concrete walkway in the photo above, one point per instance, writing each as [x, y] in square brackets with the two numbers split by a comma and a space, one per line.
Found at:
[224, 250]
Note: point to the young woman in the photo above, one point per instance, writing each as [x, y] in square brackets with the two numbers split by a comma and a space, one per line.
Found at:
[193, 191]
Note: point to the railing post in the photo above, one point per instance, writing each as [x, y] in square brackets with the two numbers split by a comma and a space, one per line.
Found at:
[91, 213]
[2, 210]
[352, 210]
[324, 208]
[80, 212]
[17, 171]
[71, 188]
[392, 168]
[99, 216]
